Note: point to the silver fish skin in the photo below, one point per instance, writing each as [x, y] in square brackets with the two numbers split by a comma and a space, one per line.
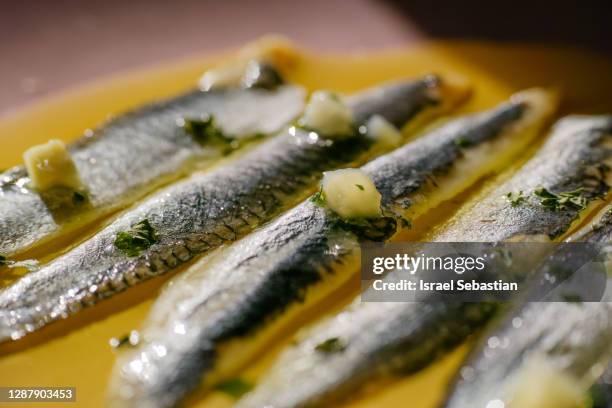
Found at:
[576, 155]
[242, 290]
[133, 155]
[384, 340]
[196, 215]
[574, 338]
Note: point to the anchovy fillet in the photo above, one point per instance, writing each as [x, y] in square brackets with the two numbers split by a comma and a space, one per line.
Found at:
[213, 318]
[382, 340]
[133, 155]
[205, 211]
[576, 156]
[575, 338]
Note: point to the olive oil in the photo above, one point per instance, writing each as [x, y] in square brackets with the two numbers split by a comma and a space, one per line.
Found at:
[77, 353]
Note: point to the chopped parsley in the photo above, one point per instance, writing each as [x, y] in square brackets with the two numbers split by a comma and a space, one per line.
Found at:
[235, 387]
[130, 339]
[206, 132]
[359, 186]
[334, 96]
[119, 342]
[599, 396]
[516, 199]
[140, 237]
[463, 142]
[562, 201]
[78, 197]
[260, 74]
[64, 201]
[405, 222]
[318, 198]
[332, 345]
[572, 298]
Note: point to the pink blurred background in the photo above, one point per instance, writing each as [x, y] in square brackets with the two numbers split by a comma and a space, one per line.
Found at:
[47, 46]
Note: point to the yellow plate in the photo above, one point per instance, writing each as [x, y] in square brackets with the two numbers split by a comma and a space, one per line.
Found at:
[76, 353]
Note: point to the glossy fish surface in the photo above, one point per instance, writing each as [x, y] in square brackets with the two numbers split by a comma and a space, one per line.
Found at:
[216, 316]
[574, 338]
[380, 341]
[203, 212]
[576, 157]
[133, 155]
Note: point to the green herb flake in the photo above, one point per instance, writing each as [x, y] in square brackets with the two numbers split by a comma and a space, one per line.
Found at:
[4, 262]
[598, 396]
[140, 237]
[236, 387]
[63, 202]
[516, 199]
[318, 198]
[332, 345]
[572, 298]
[463, 142]
[206, 132]
[262, 75]
[334, 97]
[405, 222]
[359, 186]
[118, 342]
[562, 201]
[131, 339]
[78, 197]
